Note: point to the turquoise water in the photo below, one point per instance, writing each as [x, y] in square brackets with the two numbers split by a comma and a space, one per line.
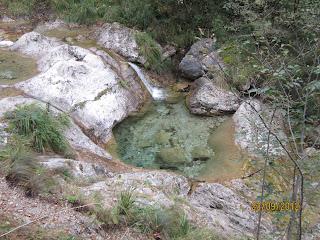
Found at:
[167, 136]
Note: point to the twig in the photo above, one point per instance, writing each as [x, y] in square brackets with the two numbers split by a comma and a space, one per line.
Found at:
[43, 217]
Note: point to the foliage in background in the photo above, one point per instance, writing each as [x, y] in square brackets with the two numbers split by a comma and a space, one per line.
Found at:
[40, 126]
[19, 7]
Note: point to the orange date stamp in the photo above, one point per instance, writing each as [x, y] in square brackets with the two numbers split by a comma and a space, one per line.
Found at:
[272, 206]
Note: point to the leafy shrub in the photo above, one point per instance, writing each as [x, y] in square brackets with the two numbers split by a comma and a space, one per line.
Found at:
[151, 51]
[19, 7]
[42, 128]
[79, 11]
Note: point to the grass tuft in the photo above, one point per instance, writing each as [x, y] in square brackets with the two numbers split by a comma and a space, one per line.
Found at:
[42, 128]
[21, 168]
[151, 51]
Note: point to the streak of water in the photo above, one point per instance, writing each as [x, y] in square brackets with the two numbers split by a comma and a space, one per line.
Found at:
[157, 93]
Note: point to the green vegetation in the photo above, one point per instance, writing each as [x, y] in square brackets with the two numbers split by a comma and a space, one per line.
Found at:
[32, 129]
[151, 51]
[165, 223]
[42, 128]
[19, 8]
[30, 232]
[21, 168]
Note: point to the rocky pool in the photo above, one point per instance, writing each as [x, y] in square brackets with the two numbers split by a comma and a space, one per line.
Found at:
[15, 67]
[167, 136]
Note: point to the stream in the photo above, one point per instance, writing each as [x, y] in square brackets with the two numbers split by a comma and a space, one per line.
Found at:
[162, 136]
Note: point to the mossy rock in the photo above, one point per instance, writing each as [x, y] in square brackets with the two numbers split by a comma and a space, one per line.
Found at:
[171, 158]
[200, 153]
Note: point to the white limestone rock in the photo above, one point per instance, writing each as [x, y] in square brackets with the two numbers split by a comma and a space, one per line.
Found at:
[120, 39]
[77, 81]
[252, 135]
[6, 43]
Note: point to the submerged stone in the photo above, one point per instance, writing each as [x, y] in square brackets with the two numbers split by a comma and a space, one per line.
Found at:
[162, 137]
[200, 153]
[171, 157]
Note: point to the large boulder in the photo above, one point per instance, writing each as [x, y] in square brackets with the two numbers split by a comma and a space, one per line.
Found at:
[77, 81]
[209, 99]
[120, 39]
[252, 121]
[226, 211]
[200, 59]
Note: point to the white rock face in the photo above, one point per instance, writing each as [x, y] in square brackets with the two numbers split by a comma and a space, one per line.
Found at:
[209, 99]
[211, 204]
[77, 81]
[35, 44]
[226, 211]
[120, 39]
[77, 139]
[10, 103]
[5, 43]
[150, 188]
[6, 19]
[251, 134]
[76, 168]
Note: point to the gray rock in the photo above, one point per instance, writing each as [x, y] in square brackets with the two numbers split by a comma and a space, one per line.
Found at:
[35, 45]
[226, 211]
[209, 204]
[149, 188]
[209, 99]
[250, 132]
[191, 67]
[120, 39]
[78, 169]
[76, 80]
[200, 59]
[5, 43]
[171, 157]
[6, 19]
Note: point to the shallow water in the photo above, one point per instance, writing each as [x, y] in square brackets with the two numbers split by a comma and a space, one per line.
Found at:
[78, 36]
[15, 67]
[168, 136]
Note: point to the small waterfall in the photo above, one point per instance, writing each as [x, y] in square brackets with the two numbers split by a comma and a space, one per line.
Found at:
[157, 94]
